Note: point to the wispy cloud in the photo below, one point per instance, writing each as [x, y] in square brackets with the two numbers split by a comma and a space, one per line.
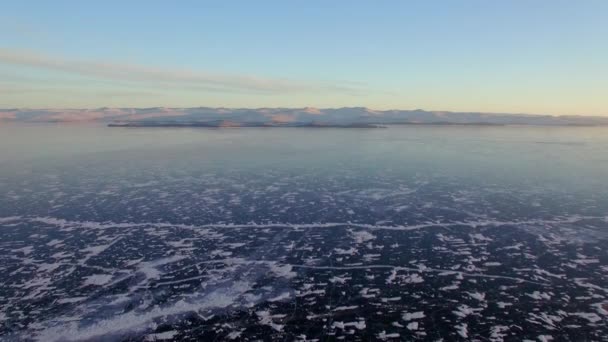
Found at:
[173, 77]
[12, 89]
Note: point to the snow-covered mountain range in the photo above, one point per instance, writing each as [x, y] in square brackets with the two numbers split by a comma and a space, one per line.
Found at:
[285, 116]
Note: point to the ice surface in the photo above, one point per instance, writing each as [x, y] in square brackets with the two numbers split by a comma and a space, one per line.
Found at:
[401, 238]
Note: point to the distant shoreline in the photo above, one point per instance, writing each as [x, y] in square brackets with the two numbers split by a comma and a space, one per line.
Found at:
[238, 125]
[356, 125]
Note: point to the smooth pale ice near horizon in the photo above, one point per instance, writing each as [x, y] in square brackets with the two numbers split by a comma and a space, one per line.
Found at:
[407, 232]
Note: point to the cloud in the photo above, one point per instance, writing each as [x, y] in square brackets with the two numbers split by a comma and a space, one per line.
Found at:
[21, 90]
[171, 77]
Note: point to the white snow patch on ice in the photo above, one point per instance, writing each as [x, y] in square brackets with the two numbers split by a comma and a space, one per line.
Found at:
[408, 316]
[167, 335]
[97, 279]
[361, 236]
[462, 330]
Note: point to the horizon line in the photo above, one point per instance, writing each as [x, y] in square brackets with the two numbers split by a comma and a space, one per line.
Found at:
[305, 107]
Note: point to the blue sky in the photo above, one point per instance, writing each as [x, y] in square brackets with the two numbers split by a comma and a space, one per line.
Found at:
[510, 56]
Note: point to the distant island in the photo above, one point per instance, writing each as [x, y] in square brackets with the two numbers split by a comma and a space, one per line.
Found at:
[346, 117]
[224, 124]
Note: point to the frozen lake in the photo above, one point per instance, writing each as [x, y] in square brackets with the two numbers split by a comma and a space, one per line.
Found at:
[409, 232]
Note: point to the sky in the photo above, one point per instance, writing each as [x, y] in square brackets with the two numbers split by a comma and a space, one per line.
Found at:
[516, 56]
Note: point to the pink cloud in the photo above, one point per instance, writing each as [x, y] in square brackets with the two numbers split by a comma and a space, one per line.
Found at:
[168, 76]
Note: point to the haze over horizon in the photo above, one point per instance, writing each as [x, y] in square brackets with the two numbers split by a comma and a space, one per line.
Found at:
[545, 57]
[94, 108]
